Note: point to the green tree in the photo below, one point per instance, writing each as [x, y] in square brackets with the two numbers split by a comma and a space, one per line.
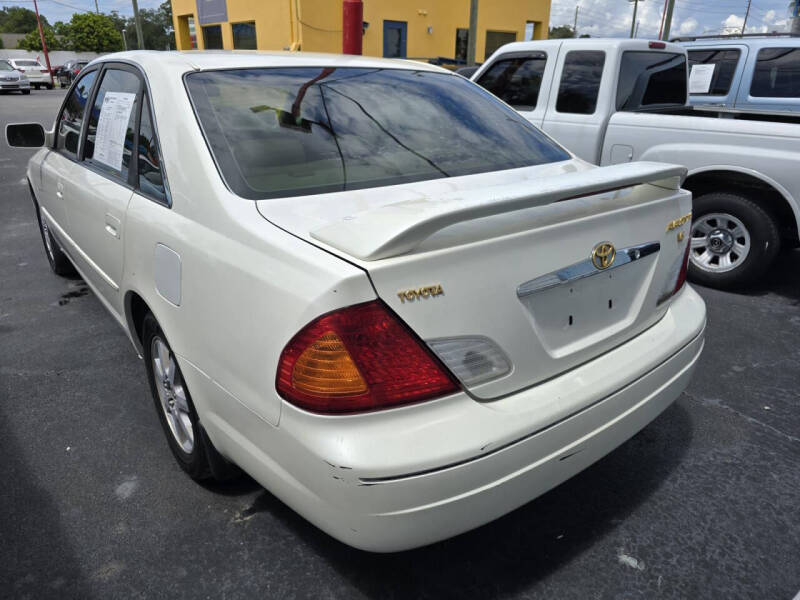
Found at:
[32, 41]
[1, 44]
[562, 31]
[156, 27]
[90, 32]
[15, 19]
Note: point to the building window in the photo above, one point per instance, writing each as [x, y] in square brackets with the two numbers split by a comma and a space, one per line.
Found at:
[495, 39]
[244, 36]
[186, 34]
[580, 82]
[212, 37]
[462, 40]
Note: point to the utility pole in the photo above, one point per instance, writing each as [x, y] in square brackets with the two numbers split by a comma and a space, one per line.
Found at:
[633, 22]
[668, 19]
[139, 36]
[795, 8]
[124, 40]
[44, 45]
[96, 7]
[746, 14]
[575, 24]
[472, 38]
[636, 33]
[352, 26]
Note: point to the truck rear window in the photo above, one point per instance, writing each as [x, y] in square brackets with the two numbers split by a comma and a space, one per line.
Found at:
[777, 73]
[651, 79]
[280, 132]
[724, 61]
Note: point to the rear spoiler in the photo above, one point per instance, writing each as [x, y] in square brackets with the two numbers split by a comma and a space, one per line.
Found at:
[399, 228]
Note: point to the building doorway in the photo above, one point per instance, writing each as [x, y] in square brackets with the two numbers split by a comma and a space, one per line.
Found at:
[394, 39]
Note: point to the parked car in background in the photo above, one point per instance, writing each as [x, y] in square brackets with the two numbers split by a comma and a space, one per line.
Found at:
[612, 101]
[468, 71]
[36, 73]
[745, 73]
[368, 283]
[13, 80]
[67, 72]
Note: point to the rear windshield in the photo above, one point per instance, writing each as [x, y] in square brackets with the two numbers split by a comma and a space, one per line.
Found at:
[4, 66]
[294, 131]
[27, 63]
[651, 79]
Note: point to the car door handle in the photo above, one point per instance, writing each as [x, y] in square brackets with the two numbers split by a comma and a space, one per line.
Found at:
[112, 225]
[60, 190]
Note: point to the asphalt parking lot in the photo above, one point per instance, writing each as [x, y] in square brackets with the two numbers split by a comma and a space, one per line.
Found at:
[704, 503]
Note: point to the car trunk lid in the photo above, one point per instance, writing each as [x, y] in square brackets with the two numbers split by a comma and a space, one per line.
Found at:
[517, 263]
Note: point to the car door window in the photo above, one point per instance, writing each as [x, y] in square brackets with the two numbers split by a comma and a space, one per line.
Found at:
[580, 82]
[724, 62]
[71, 117]
[112, 123]
[777, 73]
[151, 175]
[516, 80]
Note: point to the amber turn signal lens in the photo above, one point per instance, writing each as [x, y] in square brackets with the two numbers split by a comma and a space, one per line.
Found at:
[326, 368]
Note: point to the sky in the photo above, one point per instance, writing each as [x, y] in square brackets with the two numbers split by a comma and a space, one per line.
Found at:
[61, 10]
[612, 18]
[608, 18]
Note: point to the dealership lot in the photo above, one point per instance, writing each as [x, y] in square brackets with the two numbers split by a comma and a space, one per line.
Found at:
[702, 503]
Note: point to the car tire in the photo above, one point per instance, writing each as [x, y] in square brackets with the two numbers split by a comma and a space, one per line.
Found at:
[26, 92]
[173, 403]
[734, 241]
[58, 260]
[50, 86]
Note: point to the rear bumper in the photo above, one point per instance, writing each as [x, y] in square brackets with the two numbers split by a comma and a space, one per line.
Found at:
[408, 477]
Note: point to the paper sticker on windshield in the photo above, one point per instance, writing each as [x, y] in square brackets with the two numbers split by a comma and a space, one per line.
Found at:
[700, 78]
[109, 141]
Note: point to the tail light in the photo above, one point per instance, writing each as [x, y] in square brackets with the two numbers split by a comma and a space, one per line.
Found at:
[359, 358]
[677, 275]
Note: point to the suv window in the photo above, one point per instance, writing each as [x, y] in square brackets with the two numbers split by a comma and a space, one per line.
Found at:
[112, 123]
[724, 61]
[281, 132]
[580, 81]
[777, 73]
[516, 79]
[151, 177]
[651, 79]
[71, 118]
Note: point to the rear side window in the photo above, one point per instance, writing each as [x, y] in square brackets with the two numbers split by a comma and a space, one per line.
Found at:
[651, 79]
[112, 123]
[580, 82]
[777, 73]
[516, 80]
[71, 118]
[280, 132]
[151, 176]
[724, 61]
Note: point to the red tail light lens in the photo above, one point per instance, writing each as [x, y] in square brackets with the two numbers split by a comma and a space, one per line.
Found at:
[684, 268]
[356, 359]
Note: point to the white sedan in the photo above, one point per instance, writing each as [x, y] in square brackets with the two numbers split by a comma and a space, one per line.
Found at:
[369, 284]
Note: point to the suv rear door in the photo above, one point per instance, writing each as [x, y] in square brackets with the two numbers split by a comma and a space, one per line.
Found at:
[721, 88]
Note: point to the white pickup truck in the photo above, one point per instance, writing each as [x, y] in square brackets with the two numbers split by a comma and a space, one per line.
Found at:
[612, 101]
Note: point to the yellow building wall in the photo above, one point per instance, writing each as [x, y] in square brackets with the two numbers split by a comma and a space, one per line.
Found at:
[316, 25]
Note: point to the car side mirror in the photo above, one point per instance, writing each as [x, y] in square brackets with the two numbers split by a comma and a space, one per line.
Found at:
[25, 135]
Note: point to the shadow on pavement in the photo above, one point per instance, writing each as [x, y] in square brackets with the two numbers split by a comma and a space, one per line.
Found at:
[38, 560]
[515, 551]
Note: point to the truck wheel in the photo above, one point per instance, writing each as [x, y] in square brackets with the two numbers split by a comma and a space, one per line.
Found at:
[734, 241]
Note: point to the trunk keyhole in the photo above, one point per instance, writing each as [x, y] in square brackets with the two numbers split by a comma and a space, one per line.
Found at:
[570, 319]
[610, 304]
